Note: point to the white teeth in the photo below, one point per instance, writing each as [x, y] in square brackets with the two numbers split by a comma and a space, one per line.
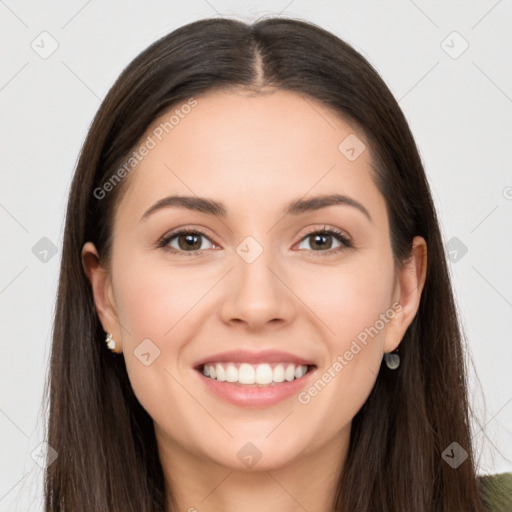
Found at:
[278, 373]
[299, 372]
[261, 374]
[221, 374]
[289, 373]
[246, 374]
[231, 373]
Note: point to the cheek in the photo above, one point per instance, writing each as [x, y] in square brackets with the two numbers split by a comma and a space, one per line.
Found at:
[352, 307]
[349, 298]
[156, 310]
[160, 306]
[156, 298]
[354, 304]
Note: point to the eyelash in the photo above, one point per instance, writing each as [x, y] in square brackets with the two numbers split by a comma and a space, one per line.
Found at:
[347, 243]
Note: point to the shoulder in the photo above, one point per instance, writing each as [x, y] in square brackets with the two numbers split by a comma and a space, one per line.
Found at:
[496, 492]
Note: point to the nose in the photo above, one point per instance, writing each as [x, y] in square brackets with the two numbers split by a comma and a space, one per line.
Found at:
[256, 294]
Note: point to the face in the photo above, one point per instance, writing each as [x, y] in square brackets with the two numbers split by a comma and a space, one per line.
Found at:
[282, 289]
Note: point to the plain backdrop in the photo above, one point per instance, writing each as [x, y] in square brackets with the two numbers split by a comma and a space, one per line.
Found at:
[447, 62]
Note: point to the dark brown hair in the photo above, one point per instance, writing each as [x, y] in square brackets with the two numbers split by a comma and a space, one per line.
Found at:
[107, 452]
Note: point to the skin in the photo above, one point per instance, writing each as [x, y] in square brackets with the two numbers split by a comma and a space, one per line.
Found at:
[254, 154]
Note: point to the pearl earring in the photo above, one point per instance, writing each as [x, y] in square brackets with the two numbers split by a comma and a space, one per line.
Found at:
[111, 344]
[392, 359]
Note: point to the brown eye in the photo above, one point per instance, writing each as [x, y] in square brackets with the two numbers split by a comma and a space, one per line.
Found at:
[322, 241]
[190, 241]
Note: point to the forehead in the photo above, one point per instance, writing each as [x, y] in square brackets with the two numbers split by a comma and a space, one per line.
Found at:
[251, 151]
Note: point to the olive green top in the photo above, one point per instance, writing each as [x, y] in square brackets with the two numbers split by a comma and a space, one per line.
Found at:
[496, 492]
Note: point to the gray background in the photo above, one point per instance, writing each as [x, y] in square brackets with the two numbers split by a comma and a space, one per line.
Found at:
[458, 102]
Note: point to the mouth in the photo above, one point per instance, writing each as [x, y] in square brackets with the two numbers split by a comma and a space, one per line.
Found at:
[254, 379]
[244, 374]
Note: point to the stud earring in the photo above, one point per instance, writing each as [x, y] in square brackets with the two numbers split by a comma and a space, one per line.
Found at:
[111, 344]
[392, 359]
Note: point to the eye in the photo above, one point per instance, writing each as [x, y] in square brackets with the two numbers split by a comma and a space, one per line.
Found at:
[190, 241]
[185, 241]
[322, 239]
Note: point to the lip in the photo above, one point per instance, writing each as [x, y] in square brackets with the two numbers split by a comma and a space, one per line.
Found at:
[256, 397]
[246, 356]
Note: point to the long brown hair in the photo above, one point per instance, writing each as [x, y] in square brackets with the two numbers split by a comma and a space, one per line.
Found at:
[107, 452]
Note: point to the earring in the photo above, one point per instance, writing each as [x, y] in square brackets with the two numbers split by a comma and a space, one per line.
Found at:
[392, 359]
[111, 344]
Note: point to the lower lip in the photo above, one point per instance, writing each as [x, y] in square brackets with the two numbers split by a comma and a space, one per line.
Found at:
[255, 396]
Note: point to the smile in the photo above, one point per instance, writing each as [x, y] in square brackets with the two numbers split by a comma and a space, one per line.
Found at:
[266, 374]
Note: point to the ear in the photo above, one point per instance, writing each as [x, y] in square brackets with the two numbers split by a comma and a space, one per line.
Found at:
[407, 293]
[102, 292]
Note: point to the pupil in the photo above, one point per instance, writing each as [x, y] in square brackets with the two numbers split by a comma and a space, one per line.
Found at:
[322, 237]
[190, 241]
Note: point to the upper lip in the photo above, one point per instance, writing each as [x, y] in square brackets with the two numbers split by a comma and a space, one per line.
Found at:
[245, 356]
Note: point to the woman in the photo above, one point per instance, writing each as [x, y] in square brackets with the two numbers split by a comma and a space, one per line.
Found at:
[254, 308]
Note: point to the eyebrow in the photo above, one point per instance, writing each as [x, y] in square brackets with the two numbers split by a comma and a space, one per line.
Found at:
[217, 209]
